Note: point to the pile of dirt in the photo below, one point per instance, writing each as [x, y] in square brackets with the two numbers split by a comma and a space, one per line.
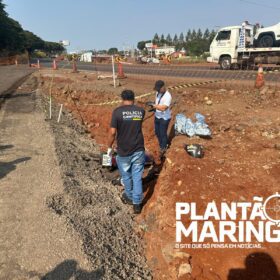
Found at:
[93, 207]
[241, 161]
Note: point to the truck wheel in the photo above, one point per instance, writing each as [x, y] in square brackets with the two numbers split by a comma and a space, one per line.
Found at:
[266, 41]
[225, 63]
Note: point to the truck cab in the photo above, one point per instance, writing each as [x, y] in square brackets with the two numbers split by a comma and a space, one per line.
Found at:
[223, 49]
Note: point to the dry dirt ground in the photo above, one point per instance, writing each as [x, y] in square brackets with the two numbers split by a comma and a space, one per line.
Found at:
[241, 160]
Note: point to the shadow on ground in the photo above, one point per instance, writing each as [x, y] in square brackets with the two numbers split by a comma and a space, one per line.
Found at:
[69, 270]
[5, 147]
[11, 95]
[7, 167]
[258, 266]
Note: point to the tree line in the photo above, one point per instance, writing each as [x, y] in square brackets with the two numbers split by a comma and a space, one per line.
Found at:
[15, 40]
[195, 42]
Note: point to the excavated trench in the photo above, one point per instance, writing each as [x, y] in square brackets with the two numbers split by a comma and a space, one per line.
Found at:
[92, 205]
[241, 121]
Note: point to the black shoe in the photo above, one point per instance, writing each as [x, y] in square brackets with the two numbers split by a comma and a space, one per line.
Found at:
[126, 200]
[137, 208]
[117, 182]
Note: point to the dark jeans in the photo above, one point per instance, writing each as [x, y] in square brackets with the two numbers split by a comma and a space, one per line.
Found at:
[161, 126]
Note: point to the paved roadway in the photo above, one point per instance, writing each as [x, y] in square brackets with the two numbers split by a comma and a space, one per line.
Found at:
[207, 72]
[11, 76]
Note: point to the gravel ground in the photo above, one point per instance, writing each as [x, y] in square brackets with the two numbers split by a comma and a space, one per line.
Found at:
[93, 206]
[34, 242]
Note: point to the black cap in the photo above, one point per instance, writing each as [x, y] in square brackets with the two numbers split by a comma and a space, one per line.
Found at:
[158, 85]
[127, 95]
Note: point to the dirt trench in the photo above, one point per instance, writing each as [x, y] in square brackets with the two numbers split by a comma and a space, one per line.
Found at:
[241, 161]
[93, 207]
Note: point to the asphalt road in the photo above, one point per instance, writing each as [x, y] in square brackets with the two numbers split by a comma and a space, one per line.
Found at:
[11, 76]
[207, 72]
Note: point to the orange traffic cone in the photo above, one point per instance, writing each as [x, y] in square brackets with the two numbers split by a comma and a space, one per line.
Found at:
[121, 74]
[54, 65]
[260, 78]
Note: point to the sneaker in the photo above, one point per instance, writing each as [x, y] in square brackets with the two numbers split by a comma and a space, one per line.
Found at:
[116, 182]
[126, 200]
[137, 208]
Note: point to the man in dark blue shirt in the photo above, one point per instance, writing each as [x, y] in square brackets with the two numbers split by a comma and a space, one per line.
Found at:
[126, 126]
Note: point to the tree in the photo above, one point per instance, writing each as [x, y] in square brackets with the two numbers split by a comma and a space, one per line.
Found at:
[193, 35]
[188, 36]
[206, 34]
[199, 34]
[33, 42]
[101, 52]
[2, 9]
[156, 39]
[168, 39]
[162, 40]
[181, 38]
[11, 33]
[141, 45]
[16, 40]
[112, 51]
[212, 35]
[53, 48]
[175, 39]
[194, 47]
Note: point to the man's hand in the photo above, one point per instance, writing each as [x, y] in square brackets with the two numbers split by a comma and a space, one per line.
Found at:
[151, 105]
[109, 152]
[161, 107]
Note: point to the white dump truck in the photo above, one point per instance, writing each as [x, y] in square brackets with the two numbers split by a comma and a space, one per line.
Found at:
[237, 47]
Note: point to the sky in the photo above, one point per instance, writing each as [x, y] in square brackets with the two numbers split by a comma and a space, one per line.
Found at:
[92, 24]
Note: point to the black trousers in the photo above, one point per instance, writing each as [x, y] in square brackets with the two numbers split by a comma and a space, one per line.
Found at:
[161, 127]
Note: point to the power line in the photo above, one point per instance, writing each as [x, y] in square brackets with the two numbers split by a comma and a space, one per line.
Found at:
[259, 4]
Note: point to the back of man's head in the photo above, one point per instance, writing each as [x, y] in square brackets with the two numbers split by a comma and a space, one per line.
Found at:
[127, 95]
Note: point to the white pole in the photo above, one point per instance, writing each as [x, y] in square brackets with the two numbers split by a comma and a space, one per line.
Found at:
[59, 114]
[113, 67]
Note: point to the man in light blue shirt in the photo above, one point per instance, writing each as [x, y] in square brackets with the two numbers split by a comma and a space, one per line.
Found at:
[162, 114]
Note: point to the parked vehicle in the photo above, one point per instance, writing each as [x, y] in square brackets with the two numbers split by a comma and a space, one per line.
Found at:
[233, 47]
[268, 37]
